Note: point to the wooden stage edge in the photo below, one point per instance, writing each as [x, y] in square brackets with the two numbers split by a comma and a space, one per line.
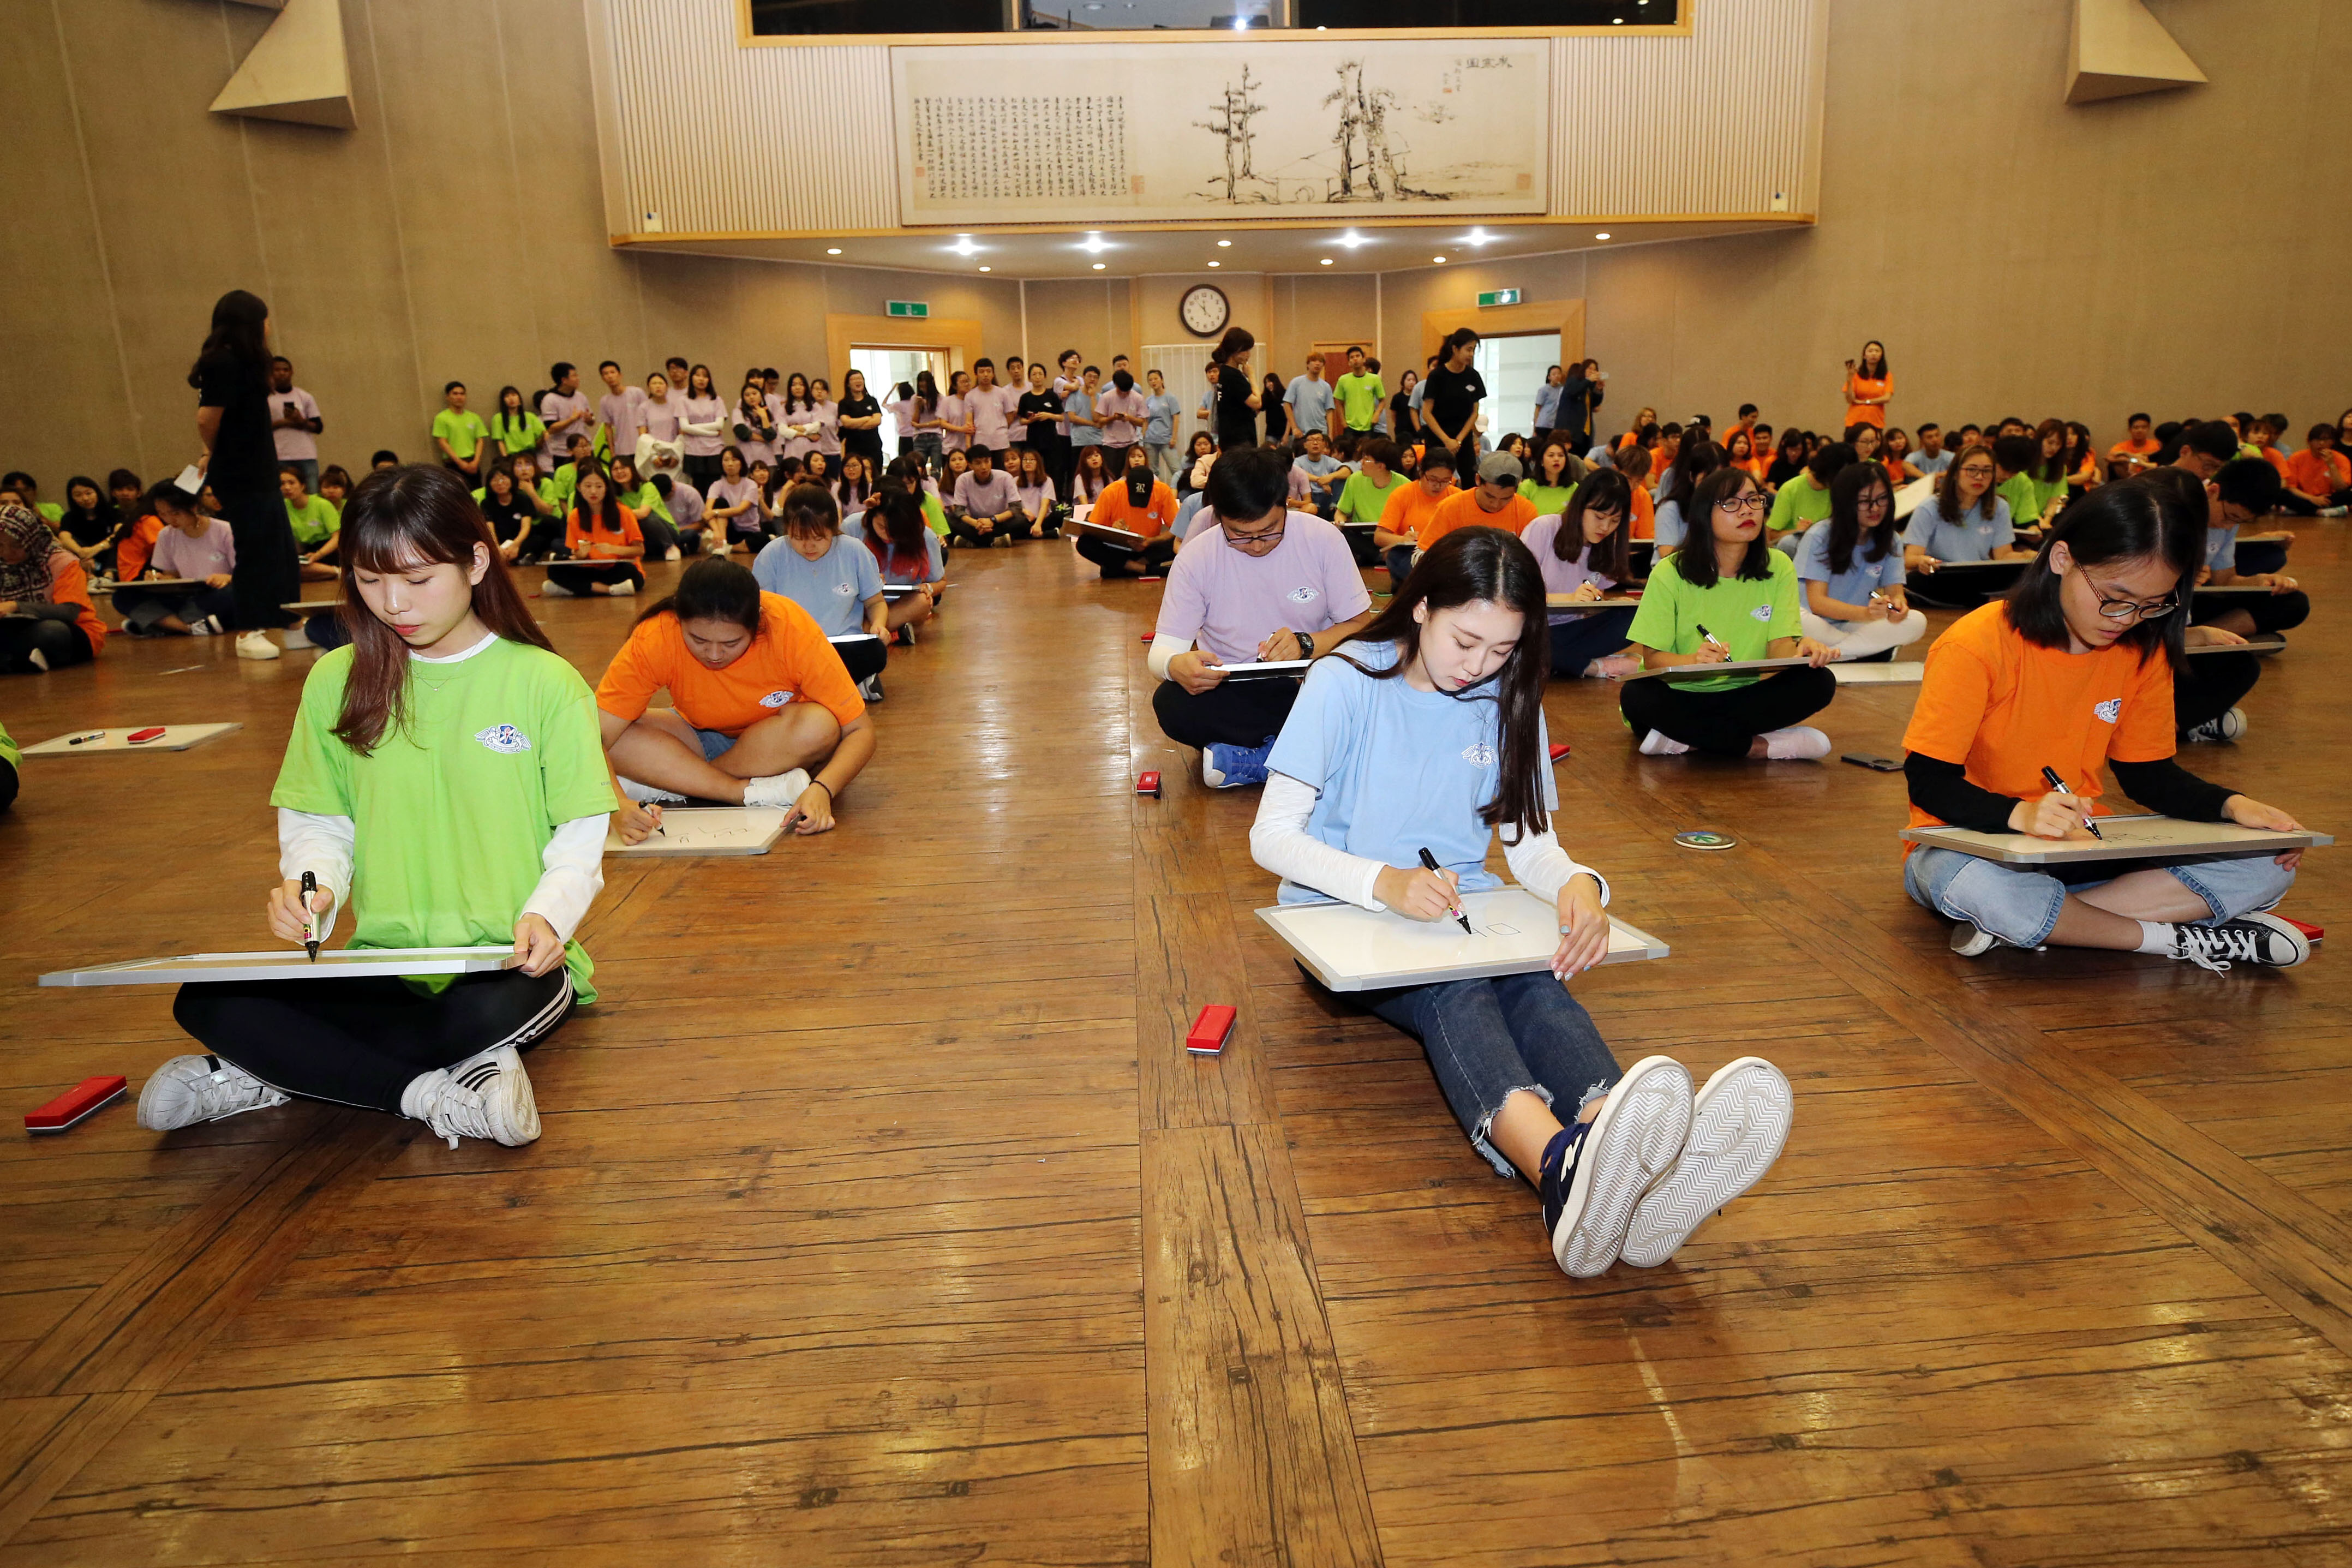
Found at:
[881, 1217]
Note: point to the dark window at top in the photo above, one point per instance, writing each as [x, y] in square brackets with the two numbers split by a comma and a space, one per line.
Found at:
[1428, 14]
[825, 17]
[802, 17]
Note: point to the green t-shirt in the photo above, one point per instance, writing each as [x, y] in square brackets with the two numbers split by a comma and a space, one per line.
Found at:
[557, 488]
[1744, 614]
[1360, 397]
[645, 498]
[9, 752]
[1550, 500]
[314, 521]
[2046, 491]
[1361, 500]
[52, 513]
[453, 809]
[2024, 498]
[463, 430]
[1800, 504]
[517, 435]
[935, 514]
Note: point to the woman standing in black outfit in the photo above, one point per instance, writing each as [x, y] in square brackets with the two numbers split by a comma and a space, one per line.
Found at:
[1237, 400]
[864, 437]
[1449, 402]
[232, 379]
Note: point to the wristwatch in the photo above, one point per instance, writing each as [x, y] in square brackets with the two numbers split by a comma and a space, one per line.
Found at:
[1305, 645]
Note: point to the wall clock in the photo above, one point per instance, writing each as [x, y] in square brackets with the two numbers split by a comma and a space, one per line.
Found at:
[1204, 310]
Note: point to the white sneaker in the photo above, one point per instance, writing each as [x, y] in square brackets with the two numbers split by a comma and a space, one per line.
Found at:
[553, 589]
[256, 644]
[672, 553]
[189, 1090]
[1972, 940]
[203, 626]
[2228, 727]
[646, 794]
[1801, 744]
[38, 660]
[1613, 666]
[780, 790]
[488, 1095]
[620, 590]
[1656, 744]
[1739, 1122]
[1619, 1156]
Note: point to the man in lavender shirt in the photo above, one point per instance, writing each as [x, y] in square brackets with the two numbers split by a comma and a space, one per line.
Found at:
[294, 422]
[985, 509]
[988, 410]
[566, 411]
[1256, 581]
[1122, 411]
[621, 411]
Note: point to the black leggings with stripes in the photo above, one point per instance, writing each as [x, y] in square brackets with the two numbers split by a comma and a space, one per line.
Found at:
[360, 1040]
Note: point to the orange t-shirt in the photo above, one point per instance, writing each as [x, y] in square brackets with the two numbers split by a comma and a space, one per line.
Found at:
[1113, 509]
[1857, 386]
[2123, 449]
[2307, 473]
[1411, 507]
[69, 584]
[574, 535]
[1645, 513]
[788, 659]
[136, 548]
[2005, 709]
[1461, 509]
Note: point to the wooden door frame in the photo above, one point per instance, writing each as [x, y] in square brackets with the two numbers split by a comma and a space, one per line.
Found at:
[1564, 316]
[958, 339]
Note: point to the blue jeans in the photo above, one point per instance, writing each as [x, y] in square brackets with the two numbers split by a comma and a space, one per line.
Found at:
[1577, 640]
[1399, 561]
[1488, 1039]
[2019, 904]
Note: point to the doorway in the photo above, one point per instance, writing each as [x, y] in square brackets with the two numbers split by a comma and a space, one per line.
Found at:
[1513, 366]
[884, 368]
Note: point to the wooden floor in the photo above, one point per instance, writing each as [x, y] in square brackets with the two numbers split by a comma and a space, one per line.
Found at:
[881, 1217]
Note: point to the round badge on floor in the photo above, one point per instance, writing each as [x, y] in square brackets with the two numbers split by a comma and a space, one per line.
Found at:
[1705, 838]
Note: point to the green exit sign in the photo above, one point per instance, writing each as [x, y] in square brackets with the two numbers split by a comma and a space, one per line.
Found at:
[1497, 297]
[920, 310]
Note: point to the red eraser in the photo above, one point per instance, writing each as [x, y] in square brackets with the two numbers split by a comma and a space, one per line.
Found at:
[1148, 784]
[2310, 932]
[1558, 750]
[1147, 637]
[153, 733]
[1209, 1031]
[77, 1102]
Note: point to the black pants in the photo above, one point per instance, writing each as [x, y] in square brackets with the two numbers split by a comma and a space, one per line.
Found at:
[2270, 612]
[866, 657]
[545, 539]
[963, 528]
[326, 630]
[2211, 685]
[60, 643]
[1114, 560]
[268, 570]
[1360, 545]
[2301, 508]
[704, 471]
[1398, 559]
[1577, 642]
[1230, 713]
[578, 575]
[1724, 723]
[142, 607]
[361, 1041]
[661, 537]
[7, 784]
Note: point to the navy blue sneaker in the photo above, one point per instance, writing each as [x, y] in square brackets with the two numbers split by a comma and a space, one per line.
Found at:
[1231, 767]
[1594, 1172]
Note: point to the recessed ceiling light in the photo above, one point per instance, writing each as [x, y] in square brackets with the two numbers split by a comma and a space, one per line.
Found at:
[1327, 261]
[1600, 236]
[1093, 243]
[1100, 265]
[832, 250]
[1477, 236]
[1216, 264]
[1353, 239]
[1439, 259]
[964, 246]
[1224, 245]
[986, 269]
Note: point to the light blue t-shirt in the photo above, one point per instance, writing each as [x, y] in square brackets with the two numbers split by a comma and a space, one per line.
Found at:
[832, 589]
[1399, 770]
[1310, 402]
[1159, 420]
[1926, 465]
[1669, 524]
[2221, 548]
[1974, 540]
[1316, 466]
[1080, 404]
[1858, 581]
[1548, 406]
[936, 563]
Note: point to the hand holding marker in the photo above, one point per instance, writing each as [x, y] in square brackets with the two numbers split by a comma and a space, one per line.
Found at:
[2058, 786]
[1453, 905]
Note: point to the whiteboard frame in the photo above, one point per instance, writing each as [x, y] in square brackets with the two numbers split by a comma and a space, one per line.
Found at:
[1336, 978]
[656, 846]
[117, 743]
[288, 963]
[2230, 842]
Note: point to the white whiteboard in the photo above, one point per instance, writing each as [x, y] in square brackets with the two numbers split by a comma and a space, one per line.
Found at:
[289, 963]
[1709, 671]
[2126, 839]
[1897, 674]
[175, 738]
[707, 830]
[1512, 932]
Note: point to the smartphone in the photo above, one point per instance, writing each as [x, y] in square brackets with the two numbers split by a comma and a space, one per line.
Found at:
[1875, 764]
[291, 413]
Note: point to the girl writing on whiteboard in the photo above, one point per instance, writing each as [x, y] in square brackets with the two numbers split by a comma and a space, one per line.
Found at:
[1424, 731]
[445, 783]
[2068, 674]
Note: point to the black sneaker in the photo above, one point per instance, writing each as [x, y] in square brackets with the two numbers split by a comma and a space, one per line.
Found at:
[1595, 1171]
[2250, 939]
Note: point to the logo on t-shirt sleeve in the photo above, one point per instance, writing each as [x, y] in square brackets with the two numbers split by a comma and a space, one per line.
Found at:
[504, 738]
[2111, 709]
[775, 698]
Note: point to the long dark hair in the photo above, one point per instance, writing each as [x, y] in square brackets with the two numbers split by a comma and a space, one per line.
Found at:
[927, 394]
[1603, 490]
[237, 346]
[713, 589]
[397, 520]
[2159, 515]
[1700, 569]
[805, 401]
[608, 510]
[1236, 340]
[1692, 463]
[1862, 360]
[1472, 566]
[1947, 485]
[896, 533]
[1845, 516]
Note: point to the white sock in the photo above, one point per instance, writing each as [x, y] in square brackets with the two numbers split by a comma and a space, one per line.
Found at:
[1801, 743]
[1657, 745]
[2157, 936]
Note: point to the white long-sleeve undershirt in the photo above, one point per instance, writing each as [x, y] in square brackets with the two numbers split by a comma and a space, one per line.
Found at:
[572, 867]
[1279, 842]
[1163, 648]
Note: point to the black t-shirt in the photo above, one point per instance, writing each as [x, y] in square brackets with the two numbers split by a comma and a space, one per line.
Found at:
[1782, 470]
[89, 528]
[1401, 410]
[507, 517]
[1236, 420]
[244, 457]
[1453, 397]
[866, 443]
[1043, 434]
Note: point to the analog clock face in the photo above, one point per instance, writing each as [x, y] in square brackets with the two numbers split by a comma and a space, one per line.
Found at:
[1204, 310]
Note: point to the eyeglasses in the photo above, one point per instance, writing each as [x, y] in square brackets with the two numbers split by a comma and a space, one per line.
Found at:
[1268, 539]
[1877, 500]
[1976, 471]
[2132, 609]
[1753, 501]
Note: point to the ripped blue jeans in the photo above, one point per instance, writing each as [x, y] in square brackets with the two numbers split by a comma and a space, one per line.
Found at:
[1488, 1038]
[2019, 904]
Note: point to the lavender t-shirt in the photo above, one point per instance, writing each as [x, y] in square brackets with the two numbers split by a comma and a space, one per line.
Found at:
[1133, 406]
[1560, 576]
[624, 411]
[736, 492]
[955, 409]
[985, 500]
[557, 447]
[294, 446]
[177, 555]
[1227, 602]
[705, 411]
[988, 406]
